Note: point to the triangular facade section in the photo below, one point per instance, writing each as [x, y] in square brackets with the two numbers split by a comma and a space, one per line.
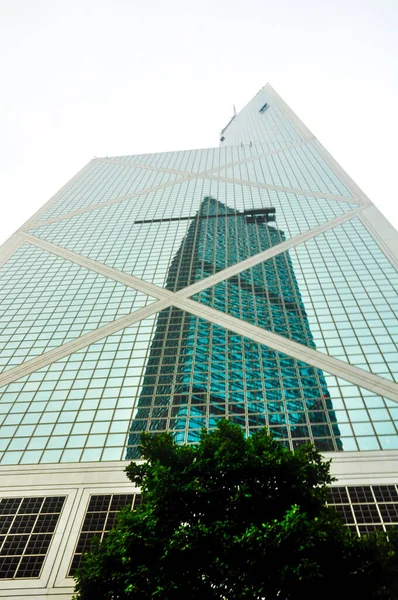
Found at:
[78, 408]
[336, 293]
[47, 301]
[103, 181]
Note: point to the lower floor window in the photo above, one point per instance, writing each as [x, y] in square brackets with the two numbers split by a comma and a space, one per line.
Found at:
[99, 520]
[27, 526]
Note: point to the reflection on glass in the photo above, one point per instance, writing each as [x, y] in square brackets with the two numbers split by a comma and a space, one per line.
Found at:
[198, 372]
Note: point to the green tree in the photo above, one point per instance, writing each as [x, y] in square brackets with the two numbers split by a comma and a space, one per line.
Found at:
[234, 518]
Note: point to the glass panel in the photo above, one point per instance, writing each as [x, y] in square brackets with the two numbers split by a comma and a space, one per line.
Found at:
[198, 372]
[366, 508]
[27, 531]
[299, 167]
[336, 293]
[78, 407]
[47, 301]
[99, 519]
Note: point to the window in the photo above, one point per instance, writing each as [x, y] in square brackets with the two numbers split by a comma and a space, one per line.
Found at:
[27, 526]
[366, 508]
[99, 520]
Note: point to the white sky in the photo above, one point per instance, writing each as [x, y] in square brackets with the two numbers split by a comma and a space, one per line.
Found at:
[94, 78]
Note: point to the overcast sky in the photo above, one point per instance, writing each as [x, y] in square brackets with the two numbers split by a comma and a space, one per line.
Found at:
[94, 78]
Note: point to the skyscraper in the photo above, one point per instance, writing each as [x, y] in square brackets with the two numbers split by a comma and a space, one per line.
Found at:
[253, 281]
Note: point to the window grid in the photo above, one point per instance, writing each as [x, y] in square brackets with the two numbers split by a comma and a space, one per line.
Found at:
[27, 526]
[343, 287]
[366, 508]
[198, 373]
[104, 181]
[99, 519]
[79, 408]
[299, 167]
[47, 301]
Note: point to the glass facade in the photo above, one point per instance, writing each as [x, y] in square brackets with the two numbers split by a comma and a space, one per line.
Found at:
[141, 235]
[254, 249]
[198, 373]
[259, 387]
[47, 301]
[349, 290]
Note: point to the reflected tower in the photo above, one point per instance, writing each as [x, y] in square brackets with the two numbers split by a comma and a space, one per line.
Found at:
[186, 385]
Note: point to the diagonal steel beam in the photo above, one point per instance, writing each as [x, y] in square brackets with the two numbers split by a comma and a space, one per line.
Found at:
[129, 280]
[241, 266]
[159, 292]
[38, 362]
[188, 175]
[355, 375]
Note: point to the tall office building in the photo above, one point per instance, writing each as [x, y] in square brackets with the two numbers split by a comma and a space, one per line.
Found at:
[253, 281]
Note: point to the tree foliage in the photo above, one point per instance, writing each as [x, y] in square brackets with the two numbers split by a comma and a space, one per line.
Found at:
[234, 518]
